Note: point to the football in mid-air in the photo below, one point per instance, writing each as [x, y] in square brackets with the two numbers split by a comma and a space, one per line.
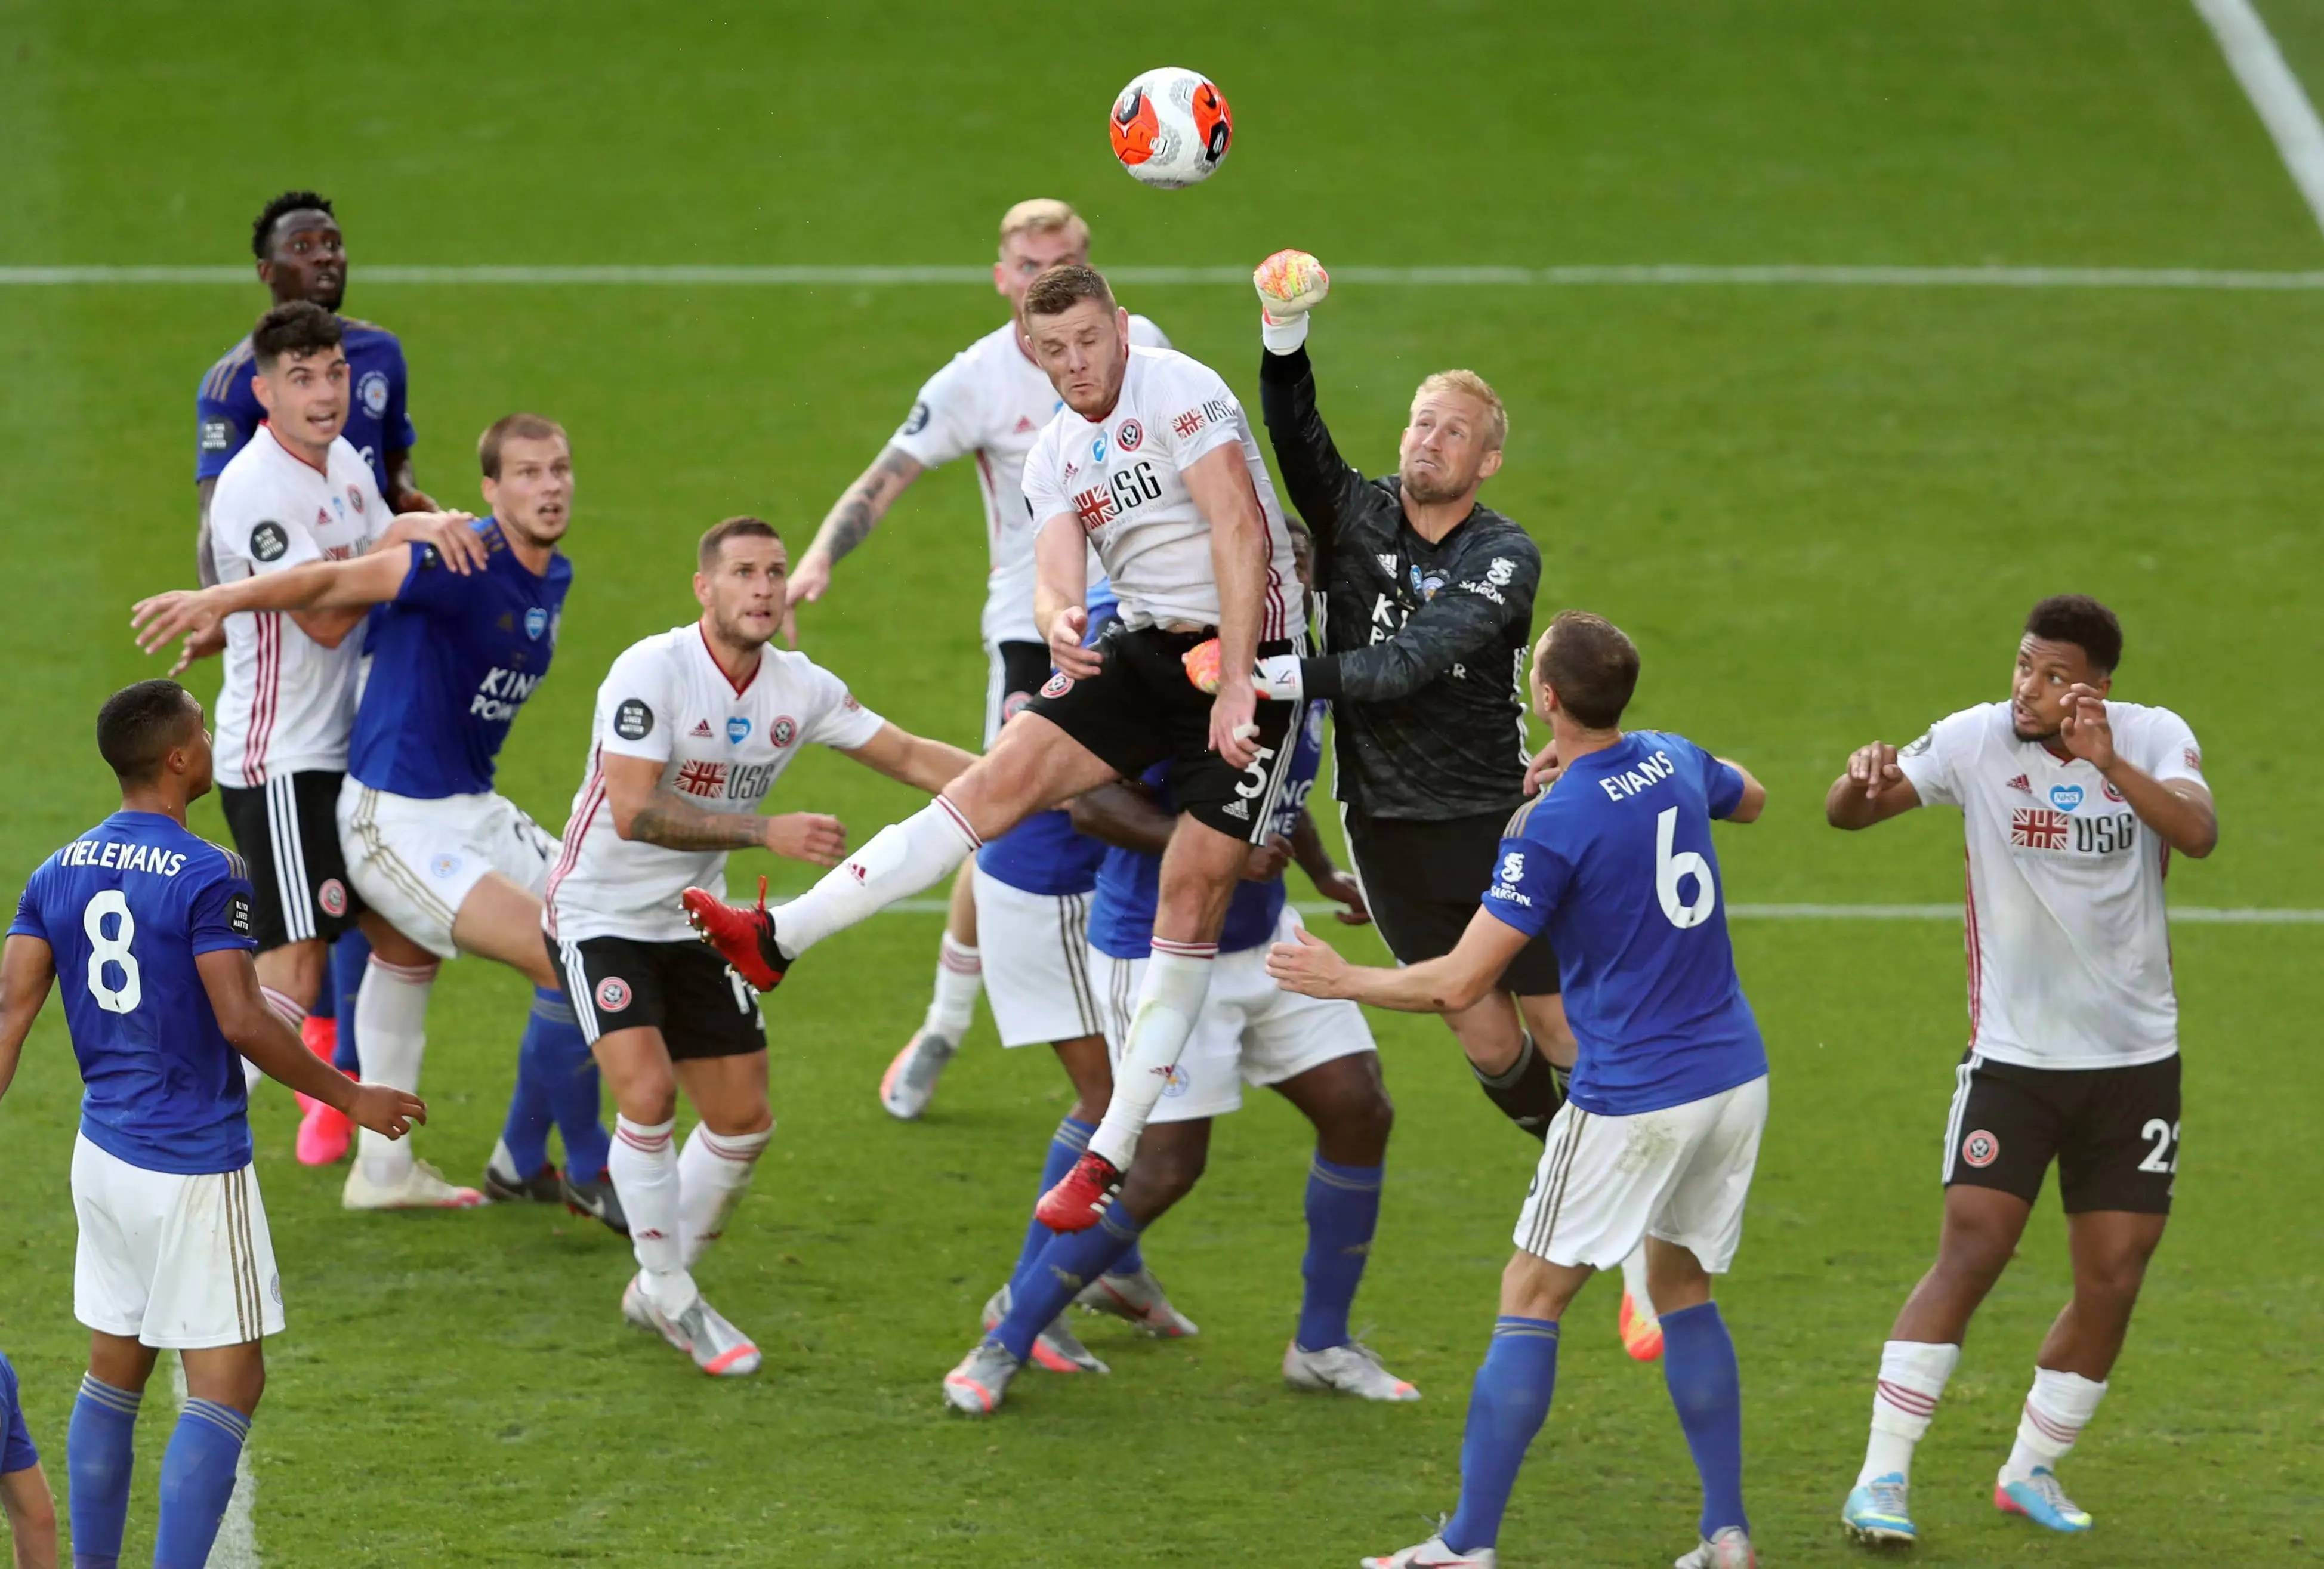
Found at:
[1171, 127]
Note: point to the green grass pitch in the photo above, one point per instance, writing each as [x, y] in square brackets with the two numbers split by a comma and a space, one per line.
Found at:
[1820, 508]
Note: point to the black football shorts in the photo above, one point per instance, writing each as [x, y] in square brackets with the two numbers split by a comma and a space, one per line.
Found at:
[1423, 882]
[2112, 1131]
[288, 830]
[683, 989]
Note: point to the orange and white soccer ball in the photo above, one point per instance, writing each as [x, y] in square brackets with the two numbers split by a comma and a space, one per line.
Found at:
[1171, 128]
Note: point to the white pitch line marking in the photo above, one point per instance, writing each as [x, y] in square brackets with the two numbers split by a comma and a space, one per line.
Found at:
[2273, 91]
[237, 1546]
[1646, 275]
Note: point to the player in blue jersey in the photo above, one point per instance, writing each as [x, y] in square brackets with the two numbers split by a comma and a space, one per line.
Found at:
[302, 256]
[1319, 1055]
[442, 863]
[149, 928]
[24, 1498]
[1661, 1126]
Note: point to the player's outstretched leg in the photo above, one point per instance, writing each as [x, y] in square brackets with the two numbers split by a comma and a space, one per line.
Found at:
[1054, 1346]
[978, 1383]
[910, 1082]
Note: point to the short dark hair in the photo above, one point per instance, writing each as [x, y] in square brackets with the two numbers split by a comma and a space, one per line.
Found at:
[262, 231]
[1064, 286]
[139, 725]
[1591, 666]
[715, 537]
[2081, 621]
[516, 427]
[299, 326]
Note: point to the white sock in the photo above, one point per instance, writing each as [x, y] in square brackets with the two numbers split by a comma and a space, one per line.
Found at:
[960, 977]
[2056, 1408]
[391, 1034]
[1912, 1375]
[713, 1170]
[644, 1169]
[1633, 1280]
[1177, 979]
[901, 860]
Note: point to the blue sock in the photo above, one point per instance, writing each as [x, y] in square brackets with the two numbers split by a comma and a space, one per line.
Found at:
[1343, 1211]
[1070, 1260]
[349, 957]
[553, 1040]
[1707, 1387]
[99, 1455]
[1505, 1409]
[1065, 1146]
[196, 1479]
[526, 1129]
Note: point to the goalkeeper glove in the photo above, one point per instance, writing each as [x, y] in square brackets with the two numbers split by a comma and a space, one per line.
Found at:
[1275, 678]
[1290, 284]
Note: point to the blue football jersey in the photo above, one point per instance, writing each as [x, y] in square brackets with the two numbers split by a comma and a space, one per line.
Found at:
[126, 908]
[16, 1450]
[226, 411]
[1615, 862]
[1043, 854]
[453, 657]
[1130, 881]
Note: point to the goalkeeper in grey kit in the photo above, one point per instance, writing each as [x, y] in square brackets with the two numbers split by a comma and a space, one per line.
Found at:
[1428, 612]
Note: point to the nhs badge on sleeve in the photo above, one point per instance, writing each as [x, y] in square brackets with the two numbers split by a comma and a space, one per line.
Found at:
[536, 622]
[2065, 797]
[738, 730]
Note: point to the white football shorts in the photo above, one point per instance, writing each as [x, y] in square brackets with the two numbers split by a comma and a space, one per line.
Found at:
[415, 861]
[1250, 1030]
[1037, 963]
[1605, 1183]
[180, 1262]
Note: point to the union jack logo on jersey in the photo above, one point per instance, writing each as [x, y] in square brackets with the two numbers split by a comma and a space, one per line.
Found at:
[2037, 828]
[701, 778]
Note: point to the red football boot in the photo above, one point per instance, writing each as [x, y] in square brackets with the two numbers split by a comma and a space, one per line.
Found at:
[744, 937]
[1082, 1198]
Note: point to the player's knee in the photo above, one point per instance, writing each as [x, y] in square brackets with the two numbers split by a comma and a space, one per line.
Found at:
[1162, 1178]
[1355, 1130]
[2113, 1277]
[649, 1098]
[739, 1118]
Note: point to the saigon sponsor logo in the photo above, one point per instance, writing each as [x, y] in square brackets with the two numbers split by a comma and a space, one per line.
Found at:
[613, 993]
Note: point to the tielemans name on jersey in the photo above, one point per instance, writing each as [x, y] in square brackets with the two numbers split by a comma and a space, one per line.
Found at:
[113, 854]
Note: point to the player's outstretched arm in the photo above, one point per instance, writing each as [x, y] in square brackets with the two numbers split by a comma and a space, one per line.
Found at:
[1872, 789]
[27, 968]
[1321, 484]
[32, 1512]
[2181, 810]
[1441, 985]
[1754, 800]
[1123, 815]
[912, 760]
[852, 519]
[1061, 595]
[645, 811]
[258, 1032]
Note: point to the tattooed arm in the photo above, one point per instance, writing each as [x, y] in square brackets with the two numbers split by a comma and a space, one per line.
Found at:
[851, 520]
[643, 810]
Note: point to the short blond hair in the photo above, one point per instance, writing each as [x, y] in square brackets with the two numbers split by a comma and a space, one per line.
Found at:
[1469, 384]
[1044, 215]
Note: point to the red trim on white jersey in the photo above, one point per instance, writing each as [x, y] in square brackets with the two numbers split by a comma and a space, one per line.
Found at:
[991, 496]
[1274, 623]
[265, 698]
[323, 469]
[712, 655]
[1975, 949]
[593, 796]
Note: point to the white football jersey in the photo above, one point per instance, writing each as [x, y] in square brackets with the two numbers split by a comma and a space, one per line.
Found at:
[2068, 942]
[288, 703]
[1122, 479]
[667, 700]
[992, 401]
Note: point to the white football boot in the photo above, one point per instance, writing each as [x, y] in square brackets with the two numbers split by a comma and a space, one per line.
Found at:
[1056, 1348]
[910, 1082]
[1139, 1300]
[422, 1186]
[1731, 1548]
[981, 1382]
[1353, 1369]
[1434, 1554]
[716, 1346]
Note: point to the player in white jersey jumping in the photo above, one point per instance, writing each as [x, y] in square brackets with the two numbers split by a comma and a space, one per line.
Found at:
[2072, 806]
[989, 402]
[693, 728]
[297, 493]
[1152, 461]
